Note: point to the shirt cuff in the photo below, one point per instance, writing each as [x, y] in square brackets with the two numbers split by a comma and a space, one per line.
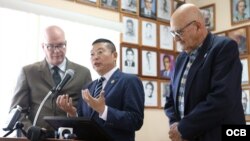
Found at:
[104, 114]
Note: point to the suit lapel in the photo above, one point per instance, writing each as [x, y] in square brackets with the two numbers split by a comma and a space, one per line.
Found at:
[112, 81]
[46, 75]
[202, 54]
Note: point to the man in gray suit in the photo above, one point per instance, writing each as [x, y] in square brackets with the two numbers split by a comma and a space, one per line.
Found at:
[35, 80]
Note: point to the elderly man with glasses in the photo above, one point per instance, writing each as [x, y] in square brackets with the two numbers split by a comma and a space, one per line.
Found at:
[206, 85]
[36, 80]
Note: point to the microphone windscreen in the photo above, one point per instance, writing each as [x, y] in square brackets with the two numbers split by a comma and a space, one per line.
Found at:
[35, 134]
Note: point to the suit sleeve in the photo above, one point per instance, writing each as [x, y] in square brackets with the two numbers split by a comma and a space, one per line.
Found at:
[130, 116]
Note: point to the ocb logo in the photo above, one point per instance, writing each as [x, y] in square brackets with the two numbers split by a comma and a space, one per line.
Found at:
[236, 132]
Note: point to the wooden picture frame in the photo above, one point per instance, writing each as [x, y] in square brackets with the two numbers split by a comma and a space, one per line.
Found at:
[246, 101]
[88, 2]
[148, 33]
[166, 40]
[110, 4]
[149, 63]
[240, 36]
[130, 29]
[164, 10]
[164, 91]
[240, 11]
[129, 59]
[150, 87]
[209, 16]
[130, 6]
[148, 10]
[166, 67]
[245, 70]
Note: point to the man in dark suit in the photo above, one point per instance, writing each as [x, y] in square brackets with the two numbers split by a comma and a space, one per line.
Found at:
[119, 108]
[36, 80]
[110, 3]
[147, 10]
[206, 85]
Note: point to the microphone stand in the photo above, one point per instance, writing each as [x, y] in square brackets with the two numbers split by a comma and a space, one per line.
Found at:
[53, 91]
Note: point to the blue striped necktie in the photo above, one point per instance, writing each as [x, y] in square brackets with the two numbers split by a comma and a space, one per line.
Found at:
[98, 87]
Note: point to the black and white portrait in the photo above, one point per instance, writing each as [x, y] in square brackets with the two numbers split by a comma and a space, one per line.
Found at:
[165, 91]
[148, 8]
[149, 63]
[246, 101]
[129, 6]
[164, 9]
[149, 34]
[110, 4]
[92, 2]
[150, 89]
[130, 30]
[166, 39]
[208, 13]
[245, 71]
[130, 60]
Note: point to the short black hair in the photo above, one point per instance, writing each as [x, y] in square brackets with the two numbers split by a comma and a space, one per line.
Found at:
[110, 44]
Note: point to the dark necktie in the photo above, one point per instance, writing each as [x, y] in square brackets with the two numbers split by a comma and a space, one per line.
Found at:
[98, 87]
[56, 76]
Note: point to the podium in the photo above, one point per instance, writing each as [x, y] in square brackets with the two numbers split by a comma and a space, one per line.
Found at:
[84, 128]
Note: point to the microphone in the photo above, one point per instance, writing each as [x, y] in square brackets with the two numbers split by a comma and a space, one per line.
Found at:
[67, 77]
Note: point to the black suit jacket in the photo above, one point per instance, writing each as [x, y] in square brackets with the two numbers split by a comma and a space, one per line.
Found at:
[212, 92]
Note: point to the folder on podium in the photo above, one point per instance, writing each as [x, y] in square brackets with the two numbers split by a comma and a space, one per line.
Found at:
[84, 128]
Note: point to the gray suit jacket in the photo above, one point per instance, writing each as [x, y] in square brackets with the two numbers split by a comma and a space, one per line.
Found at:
[33, 84]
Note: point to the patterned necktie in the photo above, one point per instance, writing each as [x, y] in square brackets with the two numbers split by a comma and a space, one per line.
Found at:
[56, 76]
[183, 83]
[98, 87]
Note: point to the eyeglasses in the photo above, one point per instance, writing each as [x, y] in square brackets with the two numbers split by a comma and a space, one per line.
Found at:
[56, 46]
[179, 33]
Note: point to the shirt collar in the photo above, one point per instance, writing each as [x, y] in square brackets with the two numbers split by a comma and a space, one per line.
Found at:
[62, 66]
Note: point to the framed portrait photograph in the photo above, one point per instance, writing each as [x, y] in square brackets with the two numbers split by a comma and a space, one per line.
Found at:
[149, 63]
[166, 39]
[240, 11]
[166, 65]
[89, 2]
[240, 36]
[245, 71]
[109, 4]
[164, 91]
[208, 13]
[130, 30]
[245, 99]
[164, 9]
[129, 59]
[130, 6]
[148, 9]
[148, 33]
[151, 92]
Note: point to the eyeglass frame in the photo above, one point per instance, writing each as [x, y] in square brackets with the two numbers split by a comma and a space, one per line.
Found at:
[179, 33]
[57, 46]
